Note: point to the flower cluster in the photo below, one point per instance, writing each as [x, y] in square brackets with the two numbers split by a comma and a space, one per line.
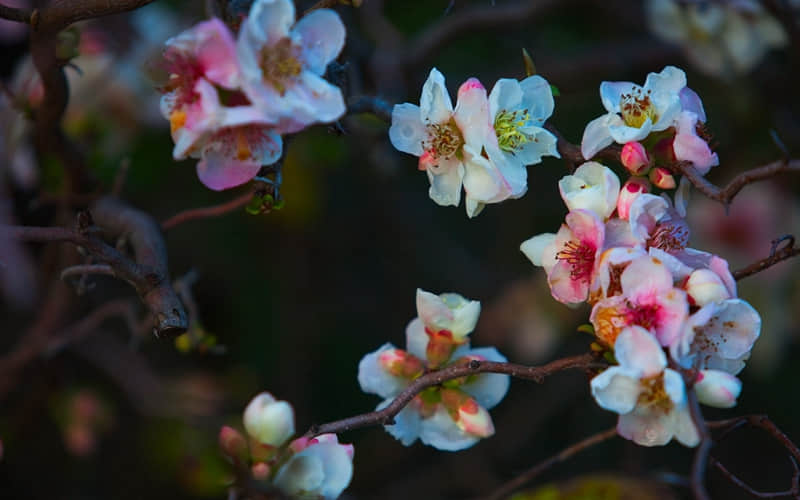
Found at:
[229, 101]
[484, 143]
[663, 307]
[451, 416]
[309, 468]
[720, 38]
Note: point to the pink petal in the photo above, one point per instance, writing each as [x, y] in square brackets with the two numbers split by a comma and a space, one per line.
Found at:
[218, 172]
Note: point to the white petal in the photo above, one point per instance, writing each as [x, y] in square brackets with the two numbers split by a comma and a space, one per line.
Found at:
[683, 427]
[269, 20]
[506, 95]
[611, 94]
[597, 135]
[301, 474]
[488, 389]
[542, 143]
[374, 379]
[440, 431]
[472, 115]
[446, 187]
[615, 390]
[645, 429]
[435, 104]
[407, 131]
[321, 34]
[671, 79]
[416, 338]
[637, 350]
[534, 248]
[537, 98]
[674, 387]
[690, 101]
[622, 133]
[407, 423]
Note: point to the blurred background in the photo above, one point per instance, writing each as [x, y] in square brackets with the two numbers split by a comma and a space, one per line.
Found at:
[289, 301]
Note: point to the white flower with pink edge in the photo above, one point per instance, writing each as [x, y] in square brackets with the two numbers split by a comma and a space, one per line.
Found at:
[283, 62]
[649, 397]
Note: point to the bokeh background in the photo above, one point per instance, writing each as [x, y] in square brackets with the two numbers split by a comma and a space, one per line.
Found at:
[290, 301]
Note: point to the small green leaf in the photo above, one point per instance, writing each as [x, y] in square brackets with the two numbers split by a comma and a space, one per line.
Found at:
[554, 90]
[586, 328]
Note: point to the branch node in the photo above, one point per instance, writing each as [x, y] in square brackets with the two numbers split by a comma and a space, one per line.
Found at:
[474, 364]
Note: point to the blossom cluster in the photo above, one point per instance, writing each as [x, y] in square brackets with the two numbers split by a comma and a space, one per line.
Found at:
[668, 311]
[316, 467]
[228, 101]
[450, 416]
[484, 143]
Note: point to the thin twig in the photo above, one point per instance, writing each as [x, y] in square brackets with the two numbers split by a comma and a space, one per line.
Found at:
[84, 269]
[565, 454]
[123, 308]
[206, 212]
[369, 104]
[794, 491]
[787, 252]
[386, 415]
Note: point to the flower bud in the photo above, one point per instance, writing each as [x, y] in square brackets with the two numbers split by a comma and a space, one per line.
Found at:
[440, 347]
[717, 388]
[662, 178]
[400, 363]
[705, 286]
[260, 471]
[269, 421]
[629, 192]
[232, 444]
[468, 415]
[634, 158]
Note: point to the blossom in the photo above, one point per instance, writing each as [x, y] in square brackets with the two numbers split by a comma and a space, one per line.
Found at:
[449, 417]
[720, 39]
[645, 297]
[634, 158]
[592, 186]
[269, 421]
[634, 111]
[451, 144]
[649, 397]
[719, 336]
[282, 63]
[518, 110]
[321, 467]
[630, 191]
[232, 139]
[568, 257]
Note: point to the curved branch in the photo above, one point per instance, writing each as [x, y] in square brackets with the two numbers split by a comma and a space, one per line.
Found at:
[205, 212]
[59, 14]
[386, 415]
[793, 492]
[698, 475]
[775, 256]
[558, 458]
[16, 14]
[82, 270]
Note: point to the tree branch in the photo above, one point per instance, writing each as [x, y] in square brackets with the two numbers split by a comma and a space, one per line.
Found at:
[698, 475]
[793, 492]
[369, 104]
[16, 14]
[84, 269]
[775, 256]
[386, 415]
[206, 212]
[147, 273]
[558, 458]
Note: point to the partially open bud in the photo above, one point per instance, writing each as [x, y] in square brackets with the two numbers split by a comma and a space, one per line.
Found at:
[662, 178]
[260, 471]
[468, 415]
[634, 158]
[717, 388]
[233, 444]
[400, 363]
[440, 347]
[269, 421]
[705, 286]
[629, 192]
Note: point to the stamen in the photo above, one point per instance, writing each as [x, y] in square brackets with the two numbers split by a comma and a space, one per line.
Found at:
[444, 140]
[506, 127]
[280, 64]
[654, 395]
[637, 108]
[670, 235]
[579, 255]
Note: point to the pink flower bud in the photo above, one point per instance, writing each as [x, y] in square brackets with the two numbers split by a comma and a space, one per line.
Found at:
[299, 444]
[705, 286]
[629, 192]
[662, 178]
[233, 444]
[400, 363]
[260, 471]
[634, 158]
[440, 346]
[717, 388]
[474, 419]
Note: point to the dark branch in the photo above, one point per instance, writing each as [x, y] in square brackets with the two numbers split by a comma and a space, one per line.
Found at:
[206, 212]
[59, 14]
[368, 104]
[147, 273]
[386, 415]
[698, 475]
[777, 255]
[726, 194]
[84, 269]
[793, 492]
[16, 14]
[558, 458]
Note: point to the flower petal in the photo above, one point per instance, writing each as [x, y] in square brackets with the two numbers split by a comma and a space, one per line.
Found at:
[440, 431]
[638, 351]
[435, 104]
[219, 172]
[615, 390]
[374, 379]
[407, 131]
[597, 135]
[321, 34]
